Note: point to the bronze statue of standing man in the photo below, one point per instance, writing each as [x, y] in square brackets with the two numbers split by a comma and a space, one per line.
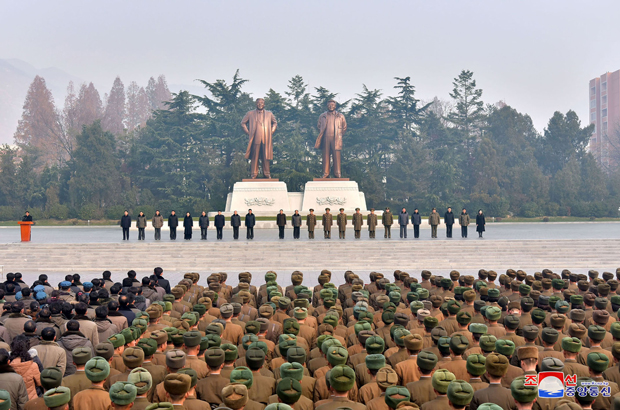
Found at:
[262, 126]
[332, 126]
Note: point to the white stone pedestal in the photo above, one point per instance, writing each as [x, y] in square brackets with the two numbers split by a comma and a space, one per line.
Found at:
[260, 196]
[333, 194]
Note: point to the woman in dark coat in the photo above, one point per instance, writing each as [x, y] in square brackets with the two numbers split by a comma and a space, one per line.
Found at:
[188, 222]
[480, 222]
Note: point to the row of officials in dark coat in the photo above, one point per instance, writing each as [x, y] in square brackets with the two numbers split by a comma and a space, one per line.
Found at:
[357, 221]
[434, 343]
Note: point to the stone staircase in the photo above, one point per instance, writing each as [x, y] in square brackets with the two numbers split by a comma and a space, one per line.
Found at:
[439, 256]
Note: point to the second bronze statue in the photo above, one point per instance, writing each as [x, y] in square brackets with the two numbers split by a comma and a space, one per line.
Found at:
[332, 127]
[262, 125]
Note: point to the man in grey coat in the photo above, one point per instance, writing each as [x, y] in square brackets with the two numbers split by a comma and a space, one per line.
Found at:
[416, 220]
[296, 222]
[403, 221]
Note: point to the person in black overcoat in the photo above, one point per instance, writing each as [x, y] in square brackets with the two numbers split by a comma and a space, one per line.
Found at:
[126, 224]
[480, 222]
[219, 222]
[281, 222]
[448, 219]
[203, 222]
[173, 222]
[188, 222]
[250, 221]
[235, 222]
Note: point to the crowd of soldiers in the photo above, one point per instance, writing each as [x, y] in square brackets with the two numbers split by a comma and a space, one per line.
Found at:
[328, 220]
[454, 342]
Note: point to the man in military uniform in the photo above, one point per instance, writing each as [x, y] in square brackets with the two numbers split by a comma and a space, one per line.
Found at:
[191, 341]
[143, 381]
[328, 221]
[78, 381]
[524, 395]
[95, 397]
[177, 386]
[371, 221]
[210, 388]
[358, 221]
[341, 380]
[496, 366]
[422, 391]
[342, 224]
[387, 219]
[460, 394]
[311, 223]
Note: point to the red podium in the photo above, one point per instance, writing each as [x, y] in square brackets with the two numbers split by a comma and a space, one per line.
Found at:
[25, 229]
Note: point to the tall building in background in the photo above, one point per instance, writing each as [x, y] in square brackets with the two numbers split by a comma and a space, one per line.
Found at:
[605, 115]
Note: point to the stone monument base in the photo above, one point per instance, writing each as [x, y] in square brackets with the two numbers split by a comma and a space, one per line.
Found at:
[267, 196]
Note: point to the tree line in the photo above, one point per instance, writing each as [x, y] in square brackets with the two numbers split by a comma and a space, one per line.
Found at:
[144, 149]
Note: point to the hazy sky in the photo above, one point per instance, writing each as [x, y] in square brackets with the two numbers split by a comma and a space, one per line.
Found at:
[538, 56]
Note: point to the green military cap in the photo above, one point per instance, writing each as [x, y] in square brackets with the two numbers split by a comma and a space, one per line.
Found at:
[296, 354]
[117, 340]
[204, 343]
[562, 306]
[493, 293]
[104, 349]
[538, 315]
[291, 326]
[458, 343]
[549, 335]
[331, 320]
[422, 293]
[230, 352]
[493, 313]
[142, 379]
[426, 360]
[51, 377]
[235, 396]
[337, 355]
[386, 377]
[521, 392]
[524, 289]
[168, 298]
[576, 300]
[551, 364]
[148, 346]
[478, 328]
[135, 332]
[463, 318]
[327, 343]
[189, 318]
[530, 332]
[597, 362]
[300, 313]
[5, 400]
[97, 369]
[557, 320]
[289, 390]
[360, 326]
[511, 322]
[441, 380]
[577, 330]
[128, 334]
[395, 296]
[200, 308]
[242, 375]
[252, 327]
[487, 342]
[571, 344]
[460, 393]
[366, 317]
[292, 369]
[56, 397]
[177, 383]
[140, 323]
[374, 345]
[175, 359]
[214, 329]
[557, 283]
[489, 406]
[192, 339]
[375, 361]
[496, 365]
[284, 345]
[278, 406]
[430, 322]
[171, 331]
[262, 346]
[192, 374]
[395, 395]
[387, 317]
[415, 306]
[133, 357]
[443, 344]
[255, 358]
[584, 384]
[596, 333]
[399, 336]
[215, 357]
[614, 329]
[81, 355]
[577, 315]
[615, 350]
[123, 393]
[414, 342]
[454, 307]
[476, 364]
[505, 347]
[412, 297]
[342, 378]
